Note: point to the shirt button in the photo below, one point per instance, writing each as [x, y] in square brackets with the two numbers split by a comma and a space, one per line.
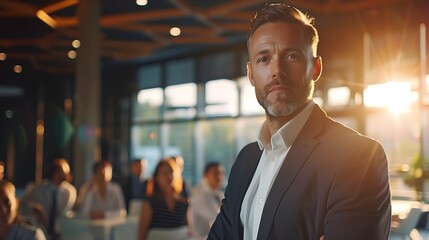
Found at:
[261, 200]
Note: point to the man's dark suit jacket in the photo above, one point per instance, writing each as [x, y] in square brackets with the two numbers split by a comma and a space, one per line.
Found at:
[333, 182]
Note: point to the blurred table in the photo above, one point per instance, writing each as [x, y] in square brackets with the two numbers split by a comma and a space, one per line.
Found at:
[127, 230]
[79, 228]
[102, 229]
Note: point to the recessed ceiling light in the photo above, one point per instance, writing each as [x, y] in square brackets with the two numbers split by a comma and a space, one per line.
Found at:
[76, 43]
[17, 68]
[175, 31]
[3, 56]
[141, 2]
[72, 54]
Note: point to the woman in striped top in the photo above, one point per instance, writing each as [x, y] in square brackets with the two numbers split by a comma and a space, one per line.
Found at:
[163, 207]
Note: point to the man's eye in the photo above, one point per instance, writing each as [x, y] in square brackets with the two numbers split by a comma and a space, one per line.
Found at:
[292, 56]
[262, 60]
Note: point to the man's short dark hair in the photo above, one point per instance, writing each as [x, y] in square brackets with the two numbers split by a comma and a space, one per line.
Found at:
[210, 165]
[280, 12]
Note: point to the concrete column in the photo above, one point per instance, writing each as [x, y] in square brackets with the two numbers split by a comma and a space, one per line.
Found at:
[87, 92]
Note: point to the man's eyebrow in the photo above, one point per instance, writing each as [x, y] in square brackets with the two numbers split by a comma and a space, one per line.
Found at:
[261, 52]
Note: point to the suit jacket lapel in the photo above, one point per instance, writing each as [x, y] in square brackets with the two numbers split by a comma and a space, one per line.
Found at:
[295, 159]
[251, 162]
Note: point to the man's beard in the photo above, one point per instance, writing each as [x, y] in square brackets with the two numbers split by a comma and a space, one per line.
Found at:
[287, 103]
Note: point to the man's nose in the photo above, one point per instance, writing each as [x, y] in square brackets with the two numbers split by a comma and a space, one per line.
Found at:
[277, 68]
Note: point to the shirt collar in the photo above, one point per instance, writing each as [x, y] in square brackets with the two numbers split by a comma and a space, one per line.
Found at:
[287, 133]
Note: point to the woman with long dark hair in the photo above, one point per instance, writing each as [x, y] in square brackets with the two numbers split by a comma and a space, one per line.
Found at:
[163, 207]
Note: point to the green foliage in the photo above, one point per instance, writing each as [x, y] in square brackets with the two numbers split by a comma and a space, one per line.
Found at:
[416, 175]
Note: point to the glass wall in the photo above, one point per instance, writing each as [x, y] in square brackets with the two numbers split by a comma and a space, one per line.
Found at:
[212, 116]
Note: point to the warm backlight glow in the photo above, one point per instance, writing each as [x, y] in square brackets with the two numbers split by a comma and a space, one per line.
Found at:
[2, 56]
[42, 15]
[395, 96]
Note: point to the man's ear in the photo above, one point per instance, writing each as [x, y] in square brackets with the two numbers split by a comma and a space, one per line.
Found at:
[250, 74]
[317, 68]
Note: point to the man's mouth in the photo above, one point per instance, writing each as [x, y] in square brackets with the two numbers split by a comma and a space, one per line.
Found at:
[278, 89]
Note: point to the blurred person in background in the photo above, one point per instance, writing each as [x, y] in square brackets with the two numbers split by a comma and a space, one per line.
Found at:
[43, 204]
[163, 206]
[11, 226]
[206, 199]
[186, 187]
[134, 185]
[102, 198]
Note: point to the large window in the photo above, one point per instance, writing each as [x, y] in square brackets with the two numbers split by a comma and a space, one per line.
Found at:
[177, 140]
[145, 143]
[191, 107]
[181, 101]
[221, 98]
[248, 103]
[148, 104]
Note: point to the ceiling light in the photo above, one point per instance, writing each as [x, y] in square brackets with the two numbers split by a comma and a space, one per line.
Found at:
[17, 68]
[42, 15]
[175, 31]
[72, 54]
[141, 2]
[76, 43]
[2, 56]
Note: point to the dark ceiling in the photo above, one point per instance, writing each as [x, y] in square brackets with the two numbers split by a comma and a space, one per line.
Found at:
[130, 33]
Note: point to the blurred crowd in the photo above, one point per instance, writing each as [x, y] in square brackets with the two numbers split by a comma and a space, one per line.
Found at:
[166, 200]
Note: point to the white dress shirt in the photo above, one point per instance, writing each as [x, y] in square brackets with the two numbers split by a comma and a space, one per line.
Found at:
[113, 205]
[205, 205]
[42, 194]
[275, 149]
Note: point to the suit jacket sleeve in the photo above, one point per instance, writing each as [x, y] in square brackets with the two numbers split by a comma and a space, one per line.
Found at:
[358, 205]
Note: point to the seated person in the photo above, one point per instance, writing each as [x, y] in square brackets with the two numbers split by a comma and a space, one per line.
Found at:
[42, 204]
[11, 227]
[163, 206]
[134, 185]
[102, 198]
[206, 199]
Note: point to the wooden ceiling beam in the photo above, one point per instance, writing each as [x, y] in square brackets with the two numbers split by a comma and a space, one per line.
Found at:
[125, 18]
[162, 29]
[17, 9]
[129, 45]
[236, 27]
[140, 17]
[59, 6]
[197, 40]
[231, 6]
[197, 14]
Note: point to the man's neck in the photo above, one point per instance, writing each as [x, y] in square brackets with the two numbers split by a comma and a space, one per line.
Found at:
[274, 123]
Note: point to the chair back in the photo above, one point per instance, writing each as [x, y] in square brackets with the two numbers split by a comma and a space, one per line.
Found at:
[409, 223]
[180, 233]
